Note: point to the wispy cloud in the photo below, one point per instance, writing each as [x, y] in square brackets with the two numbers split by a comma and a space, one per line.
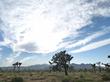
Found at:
[92, 46]
[42, 26]
[0, 49]
[101, 7]
[88, 39]
[12, 58]
[28, 60]
[45, 24]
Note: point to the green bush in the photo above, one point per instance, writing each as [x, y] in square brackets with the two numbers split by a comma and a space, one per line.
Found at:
[83, 80]
[81, 76]
[53, 80]
[17, 79]
[1, 74]
[31, 74]
[66, 80]
[105, 77]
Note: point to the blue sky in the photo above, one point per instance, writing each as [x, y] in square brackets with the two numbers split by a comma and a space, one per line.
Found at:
[32, 31]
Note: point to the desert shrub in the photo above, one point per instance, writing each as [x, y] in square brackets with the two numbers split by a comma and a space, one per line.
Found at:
[105, 77]
[81, 76]
[83, 80]
[31, 74]
[1, 74]
[17, 79]
[66, 80]
[53, 80]
[41, 73]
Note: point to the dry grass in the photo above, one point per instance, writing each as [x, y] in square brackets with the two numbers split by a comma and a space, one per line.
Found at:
[56, 77]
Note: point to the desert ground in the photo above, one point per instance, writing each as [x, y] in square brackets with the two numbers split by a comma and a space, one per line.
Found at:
[54, 77]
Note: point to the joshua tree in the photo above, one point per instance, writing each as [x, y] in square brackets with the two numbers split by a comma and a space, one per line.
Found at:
[17, 66]
[14, 67]
[109, 56]
[93, 67]
[54, 67]
[99, 64]
[61, 61]
[107, 66]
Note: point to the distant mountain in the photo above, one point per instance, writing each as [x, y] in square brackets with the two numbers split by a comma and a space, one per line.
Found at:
[39, 67]
[46, 67]
[81, 66]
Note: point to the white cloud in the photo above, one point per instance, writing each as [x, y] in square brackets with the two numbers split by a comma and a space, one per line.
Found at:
[32, 60]
[12, 58]
[102, 7]
[0, 56]
[41, 25]
[44, 23]
[0, 49]
[88, 39]
[92, 46]
[28, 61]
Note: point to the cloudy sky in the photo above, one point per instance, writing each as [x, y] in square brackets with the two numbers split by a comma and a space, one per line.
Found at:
[32, 31]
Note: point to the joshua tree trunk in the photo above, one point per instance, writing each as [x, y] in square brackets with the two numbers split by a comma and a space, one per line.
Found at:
[19, 68]
[66, 69]
[14, 66]
[94, 69]
[100, 68]
[19, 65]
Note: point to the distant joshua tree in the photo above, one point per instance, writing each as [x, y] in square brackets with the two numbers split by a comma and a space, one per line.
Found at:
[19, 65]
[93, 67]
[107, 66]
[99, 64]
[16, 66]
[61, 61]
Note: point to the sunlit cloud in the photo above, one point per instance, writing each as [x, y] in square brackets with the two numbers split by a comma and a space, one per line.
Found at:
[40, 26]
[92, 46]
[12, 58]
[44, 25]
[47, 26]
[0, 49]
[26, 59]
[88, 39]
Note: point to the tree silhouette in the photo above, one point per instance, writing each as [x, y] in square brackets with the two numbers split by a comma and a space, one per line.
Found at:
[19, 65]
[109, 56]
[16, 66]
[61, 60]
[99, 64]
[93, 67]
[107, 66]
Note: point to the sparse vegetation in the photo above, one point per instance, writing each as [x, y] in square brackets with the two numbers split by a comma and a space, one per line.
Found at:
[66, 80]
[105, 77]
[17, 79]
[56, 77]
[61, 60]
